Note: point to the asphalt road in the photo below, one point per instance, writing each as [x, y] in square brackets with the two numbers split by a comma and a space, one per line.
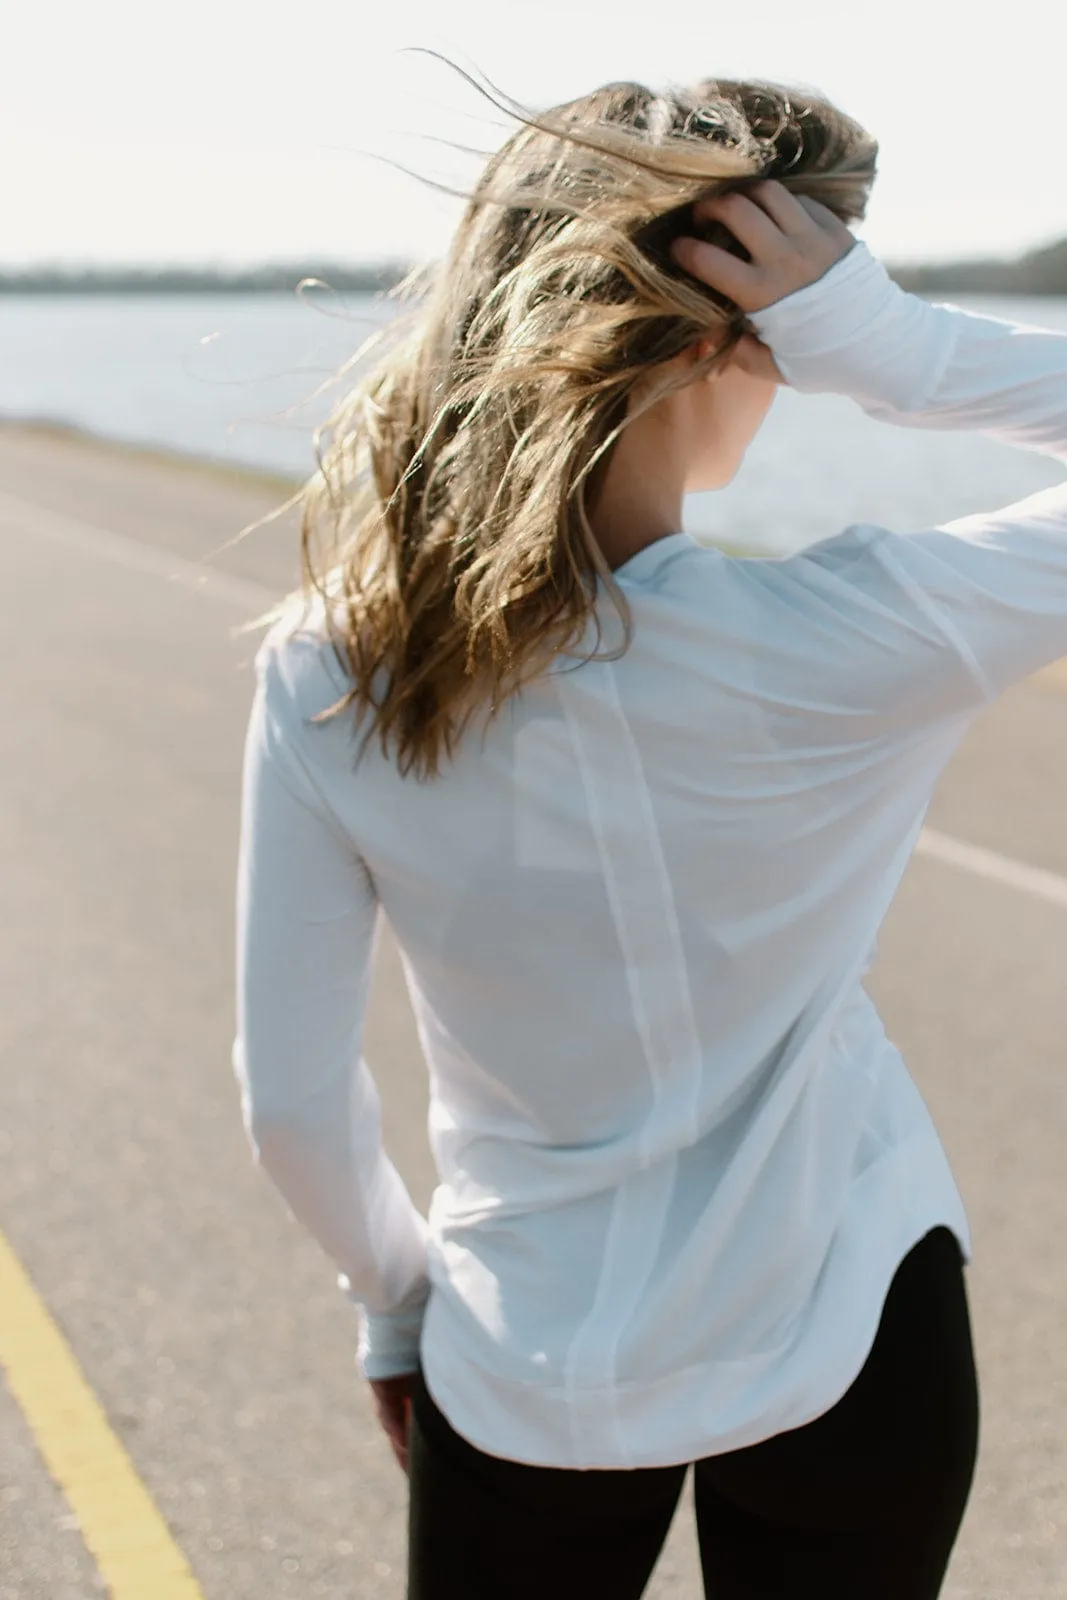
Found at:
[206, 1322]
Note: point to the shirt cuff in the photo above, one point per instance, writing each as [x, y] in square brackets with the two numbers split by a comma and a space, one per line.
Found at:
[831, 310]
[389, 1342]
[856, 332]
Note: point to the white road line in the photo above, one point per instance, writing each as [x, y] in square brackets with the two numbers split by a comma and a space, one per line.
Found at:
[973, 858]
[20, 515]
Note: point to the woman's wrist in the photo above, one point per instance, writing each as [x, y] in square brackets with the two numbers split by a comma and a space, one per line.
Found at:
[856, 332]
[389, 1342]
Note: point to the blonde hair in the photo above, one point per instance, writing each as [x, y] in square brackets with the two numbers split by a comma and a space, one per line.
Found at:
[461, 468]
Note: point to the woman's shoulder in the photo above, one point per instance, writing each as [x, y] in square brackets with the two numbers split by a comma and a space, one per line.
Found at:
[297, 659]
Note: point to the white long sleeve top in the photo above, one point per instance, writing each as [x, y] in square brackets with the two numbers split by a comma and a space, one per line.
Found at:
[679, 1160]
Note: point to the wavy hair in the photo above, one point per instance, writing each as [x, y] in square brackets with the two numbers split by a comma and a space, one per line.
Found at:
[460, 471]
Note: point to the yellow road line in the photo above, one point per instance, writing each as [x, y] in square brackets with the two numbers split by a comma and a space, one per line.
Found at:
[118, 1520]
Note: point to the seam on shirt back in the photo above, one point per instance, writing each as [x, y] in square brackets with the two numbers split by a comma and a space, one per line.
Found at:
[654, 1181]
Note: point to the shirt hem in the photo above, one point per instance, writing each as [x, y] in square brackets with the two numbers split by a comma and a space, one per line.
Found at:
[539, 1413]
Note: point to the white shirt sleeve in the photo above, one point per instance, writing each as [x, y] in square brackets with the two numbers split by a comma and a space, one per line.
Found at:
[979, 602]
[307, 926]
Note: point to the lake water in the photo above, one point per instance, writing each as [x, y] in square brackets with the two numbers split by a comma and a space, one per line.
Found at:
[233, 379]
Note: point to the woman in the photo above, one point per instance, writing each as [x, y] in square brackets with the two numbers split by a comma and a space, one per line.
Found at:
[691, 1208]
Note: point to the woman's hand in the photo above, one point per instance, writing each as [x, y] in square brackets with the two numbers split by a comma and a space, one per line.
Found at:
[392, 1398]
[792, 240]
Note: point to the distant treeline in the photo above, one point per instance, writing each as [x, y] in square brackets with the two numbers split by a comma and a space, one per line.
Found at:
[276, 278]
[1041, 271]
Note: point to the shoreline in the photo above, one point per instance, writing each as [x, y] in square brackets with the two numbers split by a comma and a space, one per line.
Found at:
[235, 473]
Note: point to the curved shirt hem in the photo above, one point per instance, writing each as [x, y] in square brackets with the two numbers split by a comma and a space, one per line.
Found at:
[538, 1415]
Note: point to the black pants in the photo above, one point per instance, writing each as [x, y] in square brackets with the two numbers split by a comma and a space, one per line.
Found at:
[863, 1503]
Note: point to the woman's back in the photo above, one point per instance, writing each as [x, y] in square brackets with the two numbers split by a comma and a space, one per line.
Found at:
[634, 920]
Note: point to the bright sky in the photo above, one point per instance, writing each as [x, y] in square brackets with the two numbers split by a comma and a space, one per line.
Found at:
[218, 131]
